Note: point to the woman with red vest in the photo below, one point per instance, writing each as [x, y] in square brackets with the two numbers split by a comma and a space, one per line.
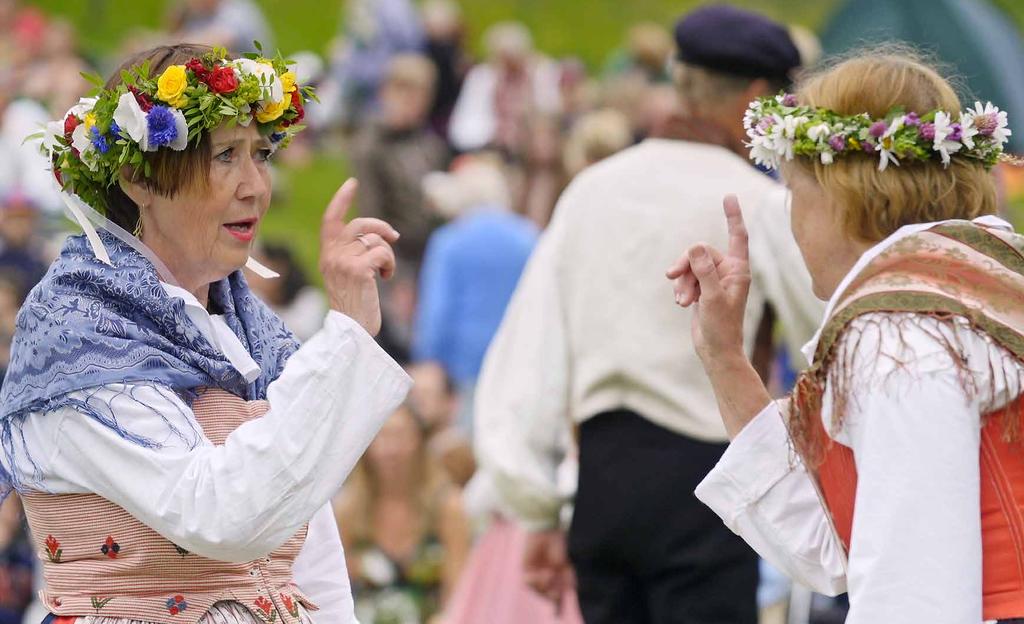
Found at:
[895, 471]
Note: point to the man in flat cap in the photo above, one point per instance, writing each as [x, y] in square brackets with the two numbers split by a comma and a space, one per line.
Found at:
[592, 339]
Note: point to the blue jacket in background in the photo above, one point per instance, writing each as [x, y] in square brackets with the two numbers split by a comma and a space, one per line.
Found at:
[469, 273]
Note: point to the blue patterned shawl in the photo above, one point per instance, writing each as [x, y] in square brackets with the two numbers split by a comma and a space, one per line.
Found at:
[87, 324]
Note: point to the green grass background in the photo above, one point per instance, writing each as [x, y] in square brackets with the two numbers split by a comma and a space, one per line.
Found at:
[588, 29]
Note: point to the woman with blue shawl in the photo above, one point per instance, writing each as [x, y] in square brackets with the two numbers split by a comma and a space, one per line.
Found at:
[173, 445]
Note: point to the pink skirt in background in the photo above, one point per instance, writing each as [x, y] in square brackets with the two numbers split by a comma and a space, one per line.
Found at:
[491, 588]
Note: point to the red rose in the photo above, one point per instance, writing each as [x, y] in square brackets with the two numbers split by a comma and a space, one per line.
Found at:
[222, 80]
[297, 105]
[198, 69]
[144, 102]
[70, 123]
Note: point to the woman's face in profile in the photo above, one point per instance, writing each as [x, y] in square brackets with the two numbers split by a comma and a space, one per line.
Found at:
[816, 221]
[206, 234]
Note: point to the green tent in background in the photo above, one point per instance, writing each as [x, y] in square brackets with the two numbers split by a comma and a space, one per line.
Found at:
[975, 38]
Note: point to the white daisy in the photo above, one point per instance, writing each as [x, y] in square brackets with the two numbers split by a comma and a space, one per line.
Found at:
[967, 130]
[819, 131]
[884, 145]
[752, 114]
[783, 134]
[762, 150]
[941, 143]
[988, 120]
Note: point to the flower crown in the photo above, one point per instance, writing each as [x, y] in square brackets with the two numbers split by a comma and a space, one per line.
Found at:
[780, 128]
[115, 127]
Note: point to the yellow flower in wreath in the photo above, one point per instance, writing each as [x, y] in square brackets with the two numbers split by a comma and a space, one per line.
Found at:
[171, 85]
[288, 81]
[270, 112]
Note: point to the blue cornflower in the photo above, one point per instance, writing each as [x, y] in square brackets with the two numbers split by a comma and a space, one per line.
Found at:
[162, 129]
[115, 130]
[98, 140]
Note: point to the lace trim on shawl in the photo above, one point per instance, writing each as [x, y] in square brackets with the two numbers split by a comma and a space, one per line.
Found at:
[848, 372]
[955, 270]
[22, 472]
[88, 324]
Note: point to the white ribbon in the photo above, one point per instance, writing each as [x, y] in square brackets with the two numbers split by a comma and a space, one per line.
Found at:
[75, 206]
[86, 216]
[259, 269]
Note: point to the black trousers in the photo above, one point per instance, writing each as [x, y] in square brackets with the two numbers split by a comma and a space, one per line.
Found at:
[646, 551]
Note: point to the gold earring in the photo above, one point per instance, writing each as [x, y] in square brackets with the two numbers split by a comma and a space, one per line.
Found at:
[138, 226]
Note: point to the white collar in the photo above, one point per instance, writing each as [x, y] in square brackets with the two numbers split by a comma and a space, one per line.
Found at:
[869, 255]
[217, 332]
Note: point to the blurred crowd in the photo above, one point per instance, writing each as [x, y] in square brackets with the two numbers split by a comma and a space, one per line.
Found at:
[465, 156]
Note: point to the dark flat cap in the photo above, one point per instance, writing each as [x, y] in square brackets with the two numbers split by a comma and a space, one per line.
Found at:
[730, 40]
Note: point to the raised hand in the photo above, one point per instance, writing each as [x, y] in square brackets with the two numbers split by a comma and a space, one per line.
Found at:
[718, 284]
[352, 255]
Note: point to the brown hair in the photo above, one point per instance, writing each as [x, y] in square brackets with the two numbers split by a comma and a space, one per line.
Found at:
[877, 203]
[171, 172]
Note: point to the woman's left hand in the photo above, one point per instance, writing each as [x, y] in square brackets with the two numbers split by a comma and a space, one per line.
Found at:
[718, 284]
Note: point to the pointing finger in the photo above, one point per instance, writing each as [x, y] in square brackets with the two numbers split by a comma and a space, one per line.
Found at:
[738, 245]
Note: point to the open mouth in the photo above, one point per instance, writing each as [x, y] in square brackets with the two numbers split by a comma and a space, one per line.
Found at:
[243, 230]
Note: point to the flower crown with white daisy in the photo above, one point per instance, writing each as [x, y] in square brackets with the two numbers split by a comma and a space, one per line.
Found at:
[780, 129]
[143, 114]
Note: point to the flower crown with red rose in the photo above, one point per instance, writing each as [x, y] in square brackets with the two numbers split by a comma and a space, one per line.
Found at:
[143, 114]
[780, 128]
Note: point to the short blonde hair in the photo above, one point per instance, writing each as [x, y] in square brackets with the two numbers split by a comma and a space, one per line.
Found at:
[877, 203]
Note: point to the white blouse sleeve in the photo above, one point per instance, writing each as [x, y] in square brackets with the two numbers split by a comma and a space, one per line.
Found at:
[915, 432]
[762, 492]
[241, 500]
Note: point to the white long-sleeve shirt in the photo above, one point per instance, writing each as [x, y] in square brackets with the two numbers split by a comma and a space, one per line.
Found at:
[592, 325]
[241, 500]
[915, 433]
